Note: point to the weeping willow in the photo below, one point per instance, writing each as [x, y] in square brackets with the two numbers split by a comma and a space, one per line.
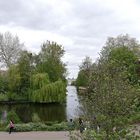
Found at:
[39, 80]
[45, 92]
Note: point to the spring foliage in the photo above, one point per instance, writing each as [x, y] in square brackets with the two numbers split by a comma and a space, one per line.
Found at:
[37, 77]
[45, 92]
[113, 88]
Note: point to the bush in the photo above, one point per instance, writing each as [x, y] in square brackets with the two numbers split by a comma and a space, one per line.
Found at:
[3, 97]
[35, 118]
[39, 127]
[12, 116]
[135, 118]
[101, 135]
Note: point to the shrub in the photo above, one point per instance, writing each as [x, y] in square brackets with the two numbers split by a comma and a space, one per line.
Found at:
[135, 118]
[12, 116]
[39, 127]
[35, 118]
[3, 97]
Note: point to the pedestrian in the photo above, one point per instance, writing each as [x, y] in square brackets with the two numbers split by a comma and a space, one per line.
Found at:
[11, 126]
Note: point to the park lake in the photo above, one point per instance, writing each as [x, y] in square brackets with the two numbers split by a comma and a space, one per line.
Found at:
[46, 112]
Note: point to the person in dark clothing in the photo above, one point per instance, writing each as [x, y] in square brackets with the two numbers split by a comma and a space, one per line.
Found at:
[11, 126]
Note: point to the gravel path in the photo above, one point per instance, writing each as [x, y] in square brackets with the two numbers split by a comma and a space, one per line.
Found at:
[34, 136]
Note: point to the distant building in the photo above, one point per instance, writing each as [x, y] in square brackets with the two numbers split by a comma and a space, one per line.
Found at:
[70, 80]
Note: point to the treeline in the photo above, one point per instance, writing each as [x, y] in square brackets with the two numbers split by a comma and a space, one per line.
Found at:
[35, 77]
[112, 101]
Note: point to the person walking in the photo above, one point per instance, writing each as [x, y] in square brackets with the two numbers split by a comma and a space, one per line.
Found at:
[11, 126]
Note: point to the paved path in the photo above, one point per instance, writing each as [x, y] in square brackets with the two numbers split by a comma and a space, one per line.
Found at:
[35, 135]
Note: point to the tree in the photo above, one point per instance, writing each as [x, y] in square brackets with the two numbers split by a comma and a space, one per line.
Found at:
[112, 88]
[10, 48]
[86, 65]
[50, 61]
[82, 79]
[3, 82]
[13, 79]
[25, 67]
[110, 102]
[120, 41]
[85, 72]
[125, 60]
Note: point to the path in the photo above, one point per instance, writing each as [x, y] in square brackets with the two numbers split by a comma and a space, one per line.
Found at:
[35, 135]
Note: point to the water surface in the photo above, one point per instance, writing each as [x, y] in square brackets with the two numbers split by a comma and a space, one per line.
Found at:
[46, 112]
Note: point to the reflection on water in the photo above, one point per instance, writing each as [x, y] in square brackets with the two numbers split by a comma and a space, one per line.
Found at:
[46, 112]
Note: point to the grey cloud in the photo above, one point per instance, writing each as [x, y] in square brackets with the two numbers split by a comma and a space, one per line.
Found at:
[87, 23]
[29, 14]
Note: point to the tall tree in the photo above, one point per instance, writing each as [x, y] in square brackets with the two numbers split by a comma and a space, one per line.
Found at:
[85, 72]
[120, 41]
[111, 87]
[25, 69]
[126, 60]
[51, 63]
[10, 48]
[13, 79]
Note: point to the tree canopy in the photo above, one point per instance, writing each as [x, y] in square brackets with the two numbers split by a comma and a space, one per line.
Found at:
[50, 61]
[113, 86]
[10, 48]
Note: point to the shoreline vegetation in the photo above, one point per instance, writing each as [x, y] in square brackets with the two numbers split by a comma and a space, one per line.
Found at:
[112, 100]
[112, 83]
[39, 126]
[32, 77]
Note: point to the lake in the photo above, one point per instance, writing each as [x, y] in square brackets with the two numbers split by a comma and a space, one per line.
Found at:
[46, 112]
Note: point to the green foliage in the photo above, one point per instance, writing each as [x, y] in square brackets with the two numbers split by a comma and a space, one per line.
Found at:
[120, 41]
[3, 82]
[11, 96]
[35, 118]
[101, 135]
[82, 79]
[19, 75]
[39, 80]
[40, 127]
[84, 73]
[3, 97]
[111, 98]
[50, 61]
[43, 91]
[87, 135]
[13, 78]
[53, 92]
[126, 60]
[31, 76]
[25, 69]
[135, 118]
[12, 116]
[113, 87]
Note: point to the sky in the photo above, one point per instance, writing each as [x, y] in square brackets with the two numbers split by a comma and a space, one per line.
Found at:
[80, 26]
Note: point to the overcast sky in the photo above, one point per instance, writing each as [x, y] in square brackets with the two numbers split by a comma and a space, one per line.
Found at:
[81, 26]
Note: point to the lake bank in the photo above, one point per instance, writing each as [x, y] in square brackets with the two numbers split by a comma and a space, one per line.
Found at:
[45, 111]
